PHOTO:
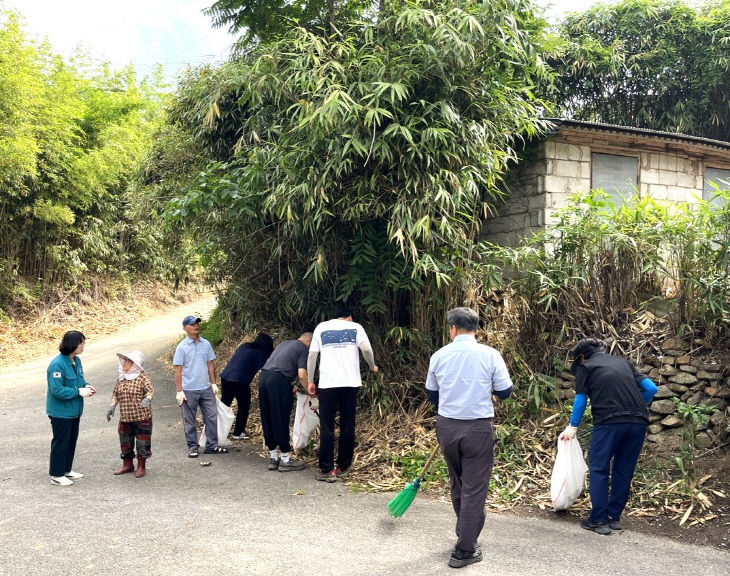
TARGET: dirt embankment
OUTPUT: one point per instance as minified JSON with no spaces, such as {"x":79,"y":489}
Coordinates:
{"x":94,"y":311}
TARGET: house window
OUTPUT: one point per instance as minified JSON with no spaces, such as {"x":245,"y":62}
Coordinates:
{"x":617,"y":176}
{"x":719,"y":177}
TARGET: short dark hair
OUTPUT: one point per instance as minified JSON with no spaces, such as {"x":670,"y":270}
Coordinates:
{"x":342,"y":311}
{"x":70,"y":342}
{"x":588,"y":347}
{"x":464,"y":318}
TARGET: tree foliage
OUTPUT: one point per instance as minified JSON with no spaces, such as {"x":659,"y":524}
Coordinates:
{"x":266,"y":20}
{"x":652,"y":64}
{"x":364,"y":162}
{"x":72,"y":142}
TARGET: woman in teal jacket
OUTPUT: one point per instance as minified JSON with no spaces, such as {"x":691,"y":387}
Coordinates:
{"x":65,"y":404}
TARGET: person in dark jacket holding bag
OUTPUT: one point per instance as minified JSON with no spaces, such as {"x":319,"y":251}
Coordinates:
{"x":65,"y":404}
{"x":619,"y":394}
{"x":236,"y":378}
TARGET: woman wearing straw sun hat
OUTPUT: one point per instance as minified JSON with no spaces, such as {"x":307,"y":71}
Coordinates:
{"x":133,"y":393}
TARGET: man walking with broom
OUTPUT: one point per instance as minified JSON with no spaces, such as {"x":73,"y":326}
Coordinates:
{"x":462,"y":377}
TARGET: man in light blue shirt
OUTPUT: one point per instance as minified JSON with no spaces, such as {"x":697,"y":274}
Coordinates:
{"x":462,"y":377}
{"x":195,"y":385}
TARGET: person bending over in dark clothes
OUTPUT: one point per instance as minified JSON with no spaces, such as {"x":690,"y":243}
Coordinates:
{"x":236,"y":378}
{"x":619,"y":394}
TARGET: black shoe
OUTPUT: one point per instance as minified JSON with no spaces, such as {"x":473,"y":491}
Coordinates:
{"x":216,"y":450}
{"x":193,"y":453}
{"x":326,"y":476}
{"x":273,"y":463}
{"x":292,"y":465}
{"x":601,"y":529}
{"x":459,"y":558}
{"x":615,"y":524}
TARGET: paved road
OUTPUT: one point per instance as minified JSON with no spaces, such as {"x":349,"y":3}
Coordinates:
{"x":235,"y":517}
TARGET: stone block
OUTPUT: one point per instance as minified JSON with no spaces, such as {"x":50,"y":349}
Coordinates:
{"x":717,"y":392}
{"x":674,"y":344}
{"x":718,"y":419}
{"x":687,"y":181}
{"x":664,"y":392}
{"x":567,"y":376}
{"x":711,"y":376}
{"x":649,"y":176}
{"x":714,"y":403}
{"x":585,"y":171}
{"x":667,"y":370}
{"x":703,"y":440}
{"x":710,"y":366}
{"x":677,"y":388}
{"x":556,"y":184}
{"x":655,"y":428}
{"x":662,"y":407}
{"x":668,"y":360}
{"x":683,"y":378}
{"x":671,"y":421}
{"x":653,"y":161}
{"x":562,"y":151}
{"x":654,"y":417}
{"x":658,"y":191}
{"x":667,"y":178}
{"x":684,"y":359}
{"x":688,"y":368}
{"x":668,"y":162}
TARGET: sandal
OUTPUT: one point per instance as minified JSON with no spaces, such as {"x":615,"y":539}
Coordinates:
{"x":216,"y":450}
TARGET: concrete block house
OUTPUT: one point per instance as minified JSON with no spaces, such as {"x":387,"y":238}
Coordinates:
{"x":578,"y":156}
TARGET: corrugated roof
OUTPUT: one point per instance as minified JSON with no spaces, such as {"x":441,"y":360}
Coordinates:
{"x":658,"y":134}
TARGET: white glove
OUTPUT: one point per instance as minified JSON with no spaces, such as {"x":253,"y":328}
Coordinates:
{"x":215,"y":388}
{"x":568,"y":433}
{"x":180,"y":397}
{"x":86,"y":392}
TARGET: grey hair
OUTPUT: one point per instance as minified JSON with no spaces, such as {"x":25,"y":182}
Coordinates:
{"x":463,"y":318}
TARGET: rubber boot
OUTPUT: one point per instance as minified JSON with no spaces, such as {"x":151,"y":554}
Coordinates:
{"x":127,"y":466}
{"x":140,"y":467}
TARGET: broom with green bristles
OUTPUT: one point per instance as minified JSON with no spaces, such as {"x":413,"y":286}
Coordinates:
{"x":398,"y":505}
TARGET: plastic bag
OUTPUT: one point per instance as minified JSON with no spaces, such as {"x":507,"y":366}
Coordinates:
{"x":306,"y":420}
{"x":566,"y":482}
{"x":225,"y":421}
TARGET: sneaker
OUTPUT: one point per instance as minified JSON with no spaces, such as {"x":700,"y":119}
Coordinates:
{"x":273,"y":463}
{"x":193,"y":453}
{"x":459,"y":558}
{"x":342,"y":474}
{"x":292,"y":465}
{"x":326,"y":476}
{"x":61,"y":481}
{"x":241,"y":436}
{"x":216,"y":450}
{"x":615,"y":524}
{"x":74,"y":475}
{"x":601,"y":529}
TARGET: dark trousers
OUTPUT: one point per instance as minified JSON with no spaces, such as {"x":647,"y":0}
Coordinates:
{"x":468,"y":448}
{"x":206,"y":400}
{"x":332,"y":400}
{"x":276,"y":400}
{"x":620,"y":443}
{"x":141,"y":432}
{"x":63,"y":445}
{"x":242,"y":393}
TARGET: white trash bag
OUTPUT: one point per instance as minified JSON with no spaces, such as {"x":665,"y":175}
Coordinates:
{"x":225,"y":421}
{"x":566,"y":482}
{"x":306,"y":420}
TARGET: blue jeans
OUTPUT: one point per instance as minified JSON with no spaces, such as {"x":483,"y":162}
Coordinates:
{"x":620,"y":443}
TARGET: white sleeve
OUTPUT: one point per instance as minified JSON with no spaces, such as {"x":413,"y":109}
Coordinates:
{"x":316,"y":340}
{"x":431,"y":382}
{"x":361,"y":336}
{"x":500,"y":375}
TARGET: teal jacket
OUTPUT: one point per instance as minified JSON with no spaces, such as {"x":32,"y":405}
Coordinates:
{"x":64,"y":381}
